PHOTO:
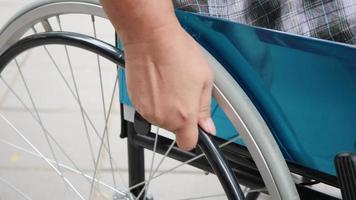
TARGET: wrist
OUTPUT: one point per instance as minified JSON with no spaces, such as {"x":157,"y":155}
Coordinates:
{"x":154,"y":48}
{"x":137,"y":20}
{"x":150,"y":34}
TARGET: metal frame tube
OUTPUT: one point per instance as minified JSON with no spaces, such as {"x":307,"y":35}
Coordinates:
{"x":136,"y":162}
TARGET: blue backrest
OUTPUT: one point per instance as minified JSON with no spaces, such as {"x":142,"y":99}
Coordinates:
{"x":304,"y":88}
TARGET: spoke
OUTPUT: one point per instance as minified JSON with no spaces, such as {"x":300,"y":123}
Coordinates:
{"x":144,"y":190}
{"x":108,"y":149}
{"x":69,"y":62}
{"x":76,"y":98}
{"x":245,"y":190}
{"x":153,"y":156}
{"x":103,"y":103}
{"x":85,"y":113}
{"x":49,"y":134}
{"x":102,"y":140}
{"x":15,"y":78}
{"x":141,"y":192}
{"x":46,"y":25}
{"x":205,"y":197}
{"x":34,"y":117}
{"x":89,"y":178}
{"x":38,"y":116}
{"x":164,"y":157}
{"x":72,"y":93}
{"x":234,"y":139}
{"x":15,"y":188}
{"x":42,"y":156}
{"x":196,"y":158}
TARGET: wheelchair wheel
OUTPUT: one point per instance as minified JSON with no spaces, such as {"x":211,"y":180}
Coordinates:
{"x":48,"y":16}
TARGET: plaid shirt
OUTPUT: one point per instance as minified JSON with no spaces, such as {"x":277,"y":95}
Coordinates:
{"x":325,"y":19}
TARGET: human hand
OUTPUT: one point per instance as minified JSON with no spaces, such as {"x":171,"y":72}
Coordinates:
{"x":170,"y":82}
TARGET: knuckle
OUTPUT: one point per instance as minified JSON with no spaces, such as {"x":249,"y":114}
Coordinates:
{"x":205,"y":108}
{"x":158,"y":117}
{"x":185,"y":115}
{"x":144,"y":111}
{"x":154,"y":116}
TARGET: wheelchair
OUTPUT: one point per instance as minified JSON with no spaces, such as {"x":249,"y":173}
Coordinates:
{"x":283,"y":105}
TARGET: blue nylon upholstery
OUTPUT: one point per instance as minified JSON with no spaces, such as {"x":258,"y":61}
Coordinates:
{"x":304,"y":88}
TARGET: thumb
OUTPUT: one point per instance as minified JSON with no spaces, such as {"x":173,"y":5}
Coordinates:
{"x":205,"y":120}
{"x":187,"y":136}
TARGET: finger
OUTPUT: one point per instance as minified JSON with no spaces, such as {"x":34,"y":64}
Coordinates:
{"x":187,"y":136}
{"x":205,"y":120}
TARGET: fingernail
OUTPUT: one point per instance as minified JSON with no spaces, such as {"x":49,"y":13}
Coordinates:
{"x":209,"y":126}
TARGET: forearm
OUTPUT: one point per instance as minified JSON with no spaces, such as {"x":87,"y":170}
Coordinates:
{"x":168,"y":78}
{"x":140,"y":20}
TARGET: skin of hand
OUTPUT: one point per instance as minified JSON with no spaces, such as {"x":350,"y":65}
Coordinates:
{"x":169,"y":80}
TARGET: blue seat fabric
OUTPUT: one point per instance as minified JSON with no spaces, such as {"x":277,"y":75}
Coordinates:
{"x":304,"y":88}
